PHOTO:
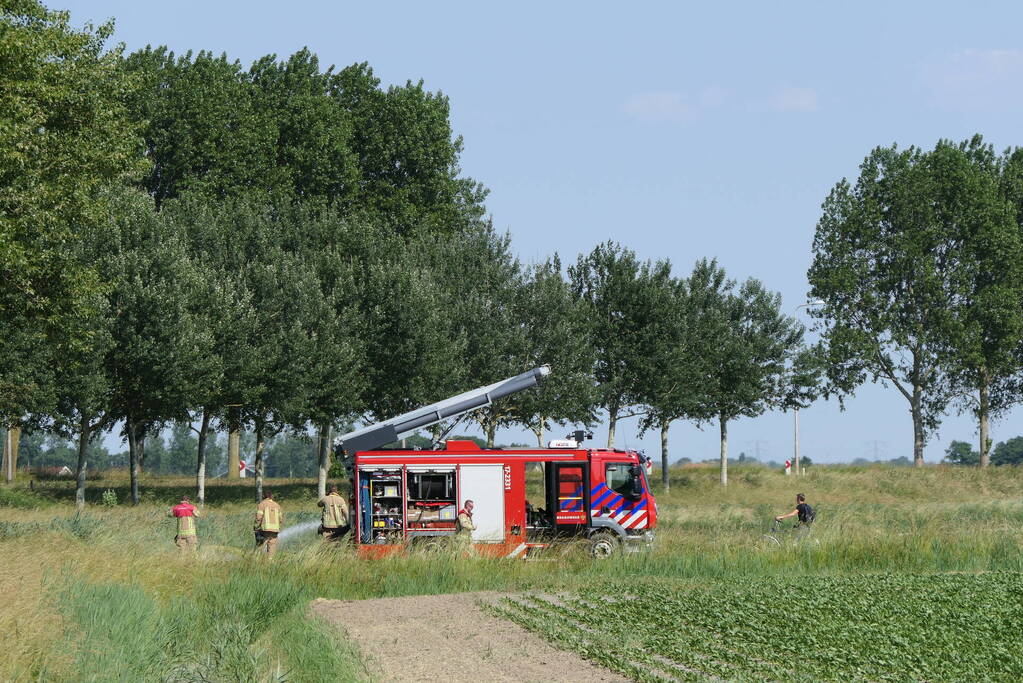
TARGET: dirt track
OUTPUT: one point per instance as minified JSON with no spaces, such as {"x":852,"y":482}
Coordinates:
{"x":448,"y":637}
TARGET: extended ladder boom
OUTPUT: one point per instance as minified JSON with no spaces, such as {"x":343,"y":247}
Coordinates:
{"x":388,"y":431}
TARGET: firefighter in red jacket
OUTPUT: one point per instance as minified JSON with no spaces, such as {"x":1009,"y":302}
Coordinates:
{"x":185,"y":513}
{"x":268,"y":524}
{"x":463,"y":530}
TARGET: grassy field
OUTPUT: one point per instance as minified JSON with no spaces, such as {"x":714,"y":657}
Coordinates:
{"x":105,"y":595}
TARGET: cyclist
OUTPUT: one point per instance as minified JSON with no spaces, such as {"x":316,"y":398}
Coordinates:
{"x":803,"y":511}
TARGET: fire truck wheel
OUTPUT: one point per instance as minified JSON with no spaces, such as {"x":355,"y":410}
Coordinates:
{"x":604,"y":544}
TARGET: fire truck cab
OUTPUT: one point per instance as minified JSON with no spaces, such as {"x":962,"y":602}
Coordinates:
{"x":524,"y":499}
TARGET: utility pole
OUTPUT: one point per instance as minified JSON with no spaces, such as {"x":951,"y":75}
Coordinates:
{"x":795,"y":411}
{"x":795,"y":439}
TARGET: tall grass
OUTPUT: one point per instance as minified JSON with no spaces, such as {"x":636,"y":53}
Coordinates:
{"x":105,"y":596}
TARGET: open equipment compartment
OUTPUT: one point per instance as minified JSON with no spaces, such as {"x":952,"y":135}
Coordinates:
{"x":381,"y":493}
{"x":432,"y":503}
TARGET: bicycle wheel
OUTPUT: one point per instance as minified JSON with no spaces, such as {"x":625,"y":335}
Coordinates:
{"x":769,"y":542}
{"x":807,"y":540}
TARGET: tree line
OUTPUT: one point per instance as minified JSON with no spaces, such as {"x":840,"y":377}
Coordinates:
{"x":918,"y":266}
{"x":1008,"y":452}
{"x":285,"y":247}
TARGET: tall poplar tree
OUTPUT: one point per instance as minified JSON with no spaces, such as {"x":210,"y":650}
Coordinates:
{"x":983,"y":325}
{"x":675,"y":351}
{"x":749,"y":357}
{"x":556,"y":333}
{"x":65,"y":138}
{"x":160,"y":344}
{"x":607,"y":283}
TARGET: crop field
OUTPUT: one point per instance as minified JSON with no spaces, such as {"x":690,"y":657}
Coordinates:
{"x":878,"y":627}
{"x":913,"y":574}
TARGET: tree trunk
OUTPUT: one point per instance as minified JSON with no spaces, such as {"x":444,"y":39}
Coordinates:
{"x":200,"y":461}
{"x":612,"y":422}
{"x":234,"y":429}
{"x":664,"y":456}
{"x":258,"y":465}
{"x":142,"y":450}
{"x":491,"y":432}
{"x":84,"y":433}
{"x":724,"y":450}
{"x":916,"y":408}
{"x":984,"y":413}
{"x":323,"y":459}
{"x":133,"y":459}
{"x":13,"y":437}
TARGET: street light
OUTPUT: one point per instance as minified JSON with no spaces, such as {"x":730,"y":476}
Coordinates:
{"x":795,"y":410}
{"x":815,"y":302}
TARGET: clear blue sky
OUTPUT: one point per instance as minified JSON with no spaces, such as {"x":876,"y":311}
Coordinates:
{"x":682,"y":130}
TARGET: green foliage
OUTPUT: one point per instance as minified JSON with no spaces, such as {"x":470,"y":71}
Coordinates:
{"x":748,"y":350}
{"x":984,"y":324}
{"x":161,"y":354}
{"x":608,"y":282}
{"x":556,"y":333}
{"x":481,"y":280}
{"x":408,"y":155}
{"x":682,"y":321}
{"x":109,"y":498}
{"x":1009,"y":452}
{"x":290,"y":456}
{"x":752,"y":352}
{"x":204,"y":127}
{"x":18,"y":498}
{"x":64,"y":138}
{"x":918,"y":265}
{"x":291,"y":130}
{"x":961,"y":453}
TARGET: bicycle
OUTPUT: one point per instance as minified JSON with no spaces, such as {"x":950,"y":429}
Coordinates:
{"x":800,"y":535}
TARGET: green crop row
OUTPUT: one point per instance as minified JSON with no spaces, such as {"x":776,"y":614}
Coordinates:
{"x":938,"y":627}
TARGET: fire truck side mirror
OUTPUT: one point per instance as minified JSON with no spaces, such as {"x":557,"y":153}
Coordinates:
{"x":636,"y":477}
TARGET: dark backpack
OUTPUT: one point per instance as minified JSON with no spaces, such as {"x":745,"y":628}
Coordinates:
{"x":811,"y":515}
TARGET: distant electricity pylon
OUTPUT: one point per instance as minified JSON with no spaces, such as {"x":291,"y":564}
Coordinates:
{"x":878,"y":449}
{"x":760,"y":448}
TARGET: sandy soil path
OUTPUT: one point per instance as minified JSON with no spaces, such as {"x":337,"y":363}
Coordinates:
{"x":448,"y":637}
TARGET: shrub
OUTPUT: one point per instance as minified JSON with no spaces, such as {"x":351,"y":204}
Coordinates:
{"x":18,"y":498}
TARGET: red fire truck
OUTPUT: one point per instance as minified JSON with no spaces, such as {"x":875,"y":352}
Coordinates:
{"x":408,"y":498}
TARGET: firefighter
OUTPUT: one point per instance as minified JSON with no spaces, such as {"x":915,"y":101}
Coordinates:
{"x":334,"y":520}
{"x":268,"y":524}
{"x":185,"y":513}
{"x":463,"y":530}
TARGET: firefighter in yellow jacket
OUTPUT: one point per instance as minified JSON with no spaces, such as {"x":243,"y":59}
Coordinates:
{"x":463,"y":530}
{"x":268,"y":524}
{"x":185,"y":514}
{"x":334,"y":520}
